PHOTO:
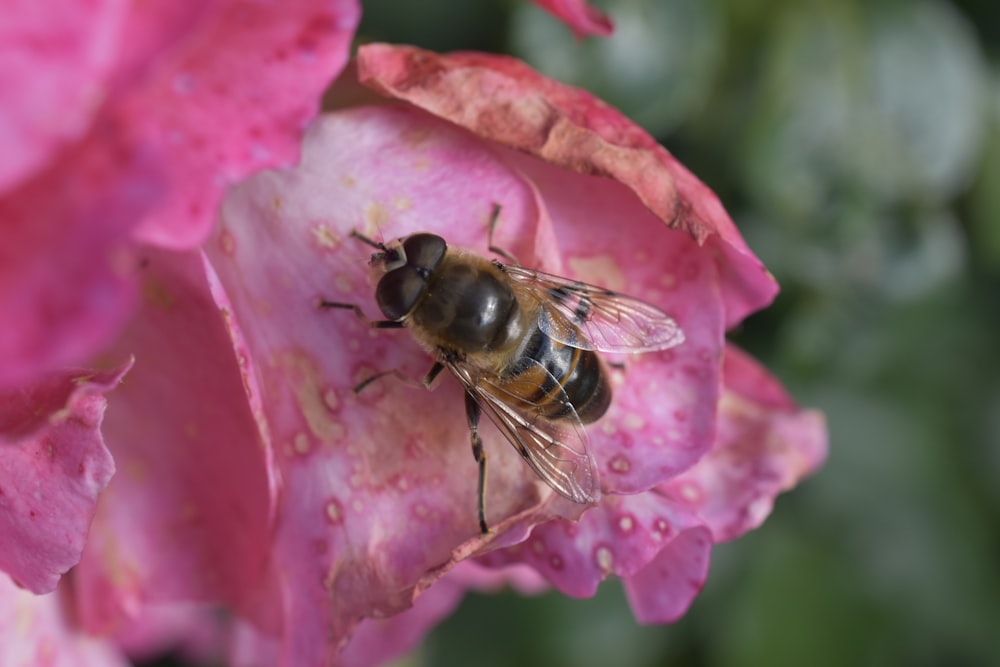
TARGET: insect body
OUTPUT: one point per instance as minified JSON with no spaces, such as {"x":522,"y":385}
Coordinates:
{"x":523,"y":344}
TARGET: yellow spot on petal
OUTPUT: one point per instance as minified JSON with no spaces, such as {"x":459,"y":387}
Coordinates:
{"x":342,"y":284}
{"x":634,"y":422}
{"x":24,"y":616}
{"x":690,"y":493}
{"x":601,"y":269}
{"x":227,"y":243}
{"x":348,"y":181}
{"x":402,"y":203}
{"x":605,"y":559}
{"x":135,"y":470}
{"x":301,"y":443}
{"x":305,"y":380}
{"x":416,"y":137}
{"x":157,"y":294}
{"x":324,"y":236}
{"x":330,"y":399}
{"x":375,"y":218}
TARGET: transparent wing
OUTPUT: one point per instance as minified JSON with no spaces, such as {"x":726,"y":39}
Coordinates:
{"x":558,"y":451}
{"x":593,"y":318}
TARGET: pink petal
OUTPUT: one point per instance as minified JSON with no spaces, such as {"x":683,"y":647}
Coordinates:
{"x":232,"y":99}
{"x":622,"y":536}
{"x":152,"y":114}
{"x":188,"y":515}
{"x":53,"y":66}
{"x":65,"y":258}
{"x":766,"y":445}
{"x":199,"y":633}
{"x":376,"y":641}
{"x":53,"y":465}
{"x":662,"y":591}
{"x":583,"y":18}
{"x":35,"y":632}
{"x":502,"y":99}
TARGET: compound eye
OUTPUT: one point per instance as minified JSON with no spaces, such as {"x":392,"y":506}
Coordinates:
{"x":399,"y":291}
{"x":424,"y":251}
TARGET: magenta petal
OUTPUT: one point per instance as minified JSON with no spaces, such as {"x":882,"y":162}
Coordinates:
{"x":53,"y":66}
{"x":766,"y":445}
{"x":621,"y":537}
{"x":65,"y":260}
{"x":140,"y":115}
{"x":503,"y":100}
{"x":199,"y":633}
{"x":188,"y":515}
{"x":582,"y":17}
{"x":53,"y":465}
{"x":35,"y":632}
{"x":233,"y":98}
{"x":662,"y":591}
{"x":377,"y":641}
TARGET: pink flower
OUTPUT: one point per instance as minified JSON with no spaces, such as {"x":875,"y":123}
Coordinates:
{"x":582,"y":17}
{"x":336,"y":526}
{"x":377,"y":490}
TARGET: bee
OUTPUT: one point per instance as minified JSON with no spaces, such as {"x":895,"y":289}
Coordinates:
{"x":522,"y":343}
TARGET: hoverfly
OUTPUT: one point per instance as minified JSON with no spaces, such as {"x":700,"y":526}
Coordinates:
{"x":523,"y":344}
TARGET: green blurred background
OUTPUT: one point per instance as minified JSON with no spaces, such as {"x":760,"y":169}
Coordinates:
{"x":856,"y":144}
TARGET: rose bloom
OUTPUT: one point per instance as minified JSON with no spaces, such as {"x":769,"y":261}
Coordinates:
{"x":336,"y":527}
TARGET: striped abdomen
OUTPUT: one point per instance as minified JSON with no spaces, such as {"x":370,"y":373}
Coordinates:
{"x":577,"y":372}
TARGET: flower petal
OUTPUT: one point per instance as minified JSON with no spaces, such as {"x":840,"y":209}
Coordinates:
{"x":766,"y":445}
{"x":65,"y":259}
{"x":377,"y":641}
{"x":35,"y":632}
{"x":53,"y":66}
{"x":502,"y":99}
{"x":231,"y":99}
{"x":53,"y":465}
{"x":178,"y":100}
{"x":582,"y":17}
{"x":622,"y":536}
{"x":662,"y":591}
{"x":188,"y":516}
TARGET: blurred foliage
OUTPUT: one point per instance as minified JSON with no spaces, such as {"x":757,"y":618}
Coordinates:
{"x":857,"y":145}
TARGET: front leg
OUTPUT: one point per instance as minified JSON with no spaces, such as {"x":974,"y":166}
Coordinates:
{"x":472,"y":412}
{"x":374,"y":324}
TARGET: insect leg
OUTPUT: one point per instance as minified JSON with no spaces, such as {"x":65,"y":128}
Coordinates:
{"x":432,"y":374}
{"x":378,"y":376}
{"x":472,"y":412}
{"x":364,"y":239}
{"x":497,"y":250}
{"x":375,"y":324}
